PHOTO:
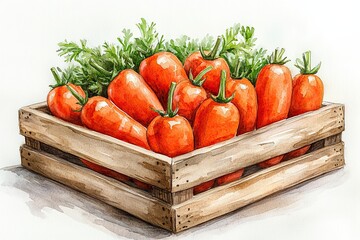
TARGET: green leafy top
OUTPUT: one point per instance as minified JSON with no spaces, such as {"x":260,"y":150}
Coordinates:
{"x":249,"y":65}
{"x":231,"y":38}
{"x":183,"y":46}
{"x":277,"y":57}
{"x":238,"y":38}
{"x":149,"y":42}
{"x":93,"y":68}
{"x":244,"y":60}
{"x":305,"y":64}
{"x":60,"y":81}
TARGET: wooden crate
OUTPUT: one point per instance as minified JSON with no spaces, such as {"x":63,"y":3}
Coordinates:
{"x":53,"y":148}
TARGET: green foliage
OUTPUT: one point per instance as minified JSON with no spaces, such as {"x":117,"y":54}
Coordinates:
{"x":183,"y":46}
{"x":249,"y":65}
{"x":149,"y":42}
{"x":304,"y":65}
{"x":230,"y":37}
{"x":93,"y":68}
{"x":277,"y":57}
{"x":244,"y":60}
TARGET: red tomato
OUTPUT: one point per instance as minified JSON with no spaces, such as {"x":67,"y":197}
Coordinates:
{"x":246,"y":102}
{"x":203,"y":187}
{"x":159,"y":71}
{"x":216,"y":120}
{"x":62,"y":103}
{"x":189,"y":95}
{"x":169,"y":133}
{"x":198,"y":61}
{"x":273,"y":89}
{"x":307,"y":94}
{"x":130,"y":93}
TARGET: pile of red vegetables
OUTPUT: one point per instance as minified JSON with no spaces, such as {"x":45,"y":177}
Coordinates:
{"x":175,"y":96}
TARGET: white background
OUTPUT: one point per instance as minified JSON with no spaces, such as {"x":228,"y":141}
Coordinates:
{"x":31,"y":29}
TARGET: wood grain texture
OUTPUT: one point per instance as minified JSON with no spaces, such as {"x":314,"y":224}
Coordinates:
{"x":171,"y":204}
{"x":164,"y":195}
{"x":248,"y":149}
{"x":35,"y":144}
{"x":172,"y":198}
{"x":125,"y":158}
{"x":32,"y":143}
{"x":134,"y":201}
{"x":224,"y":199}
{"x":325,"y":142}
{"x":332,"y":140}
{"x":186,"y":171}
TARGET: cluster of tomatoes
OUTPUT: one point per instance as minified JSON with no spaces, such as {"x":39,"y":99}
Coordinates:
{"x":172,"y":109}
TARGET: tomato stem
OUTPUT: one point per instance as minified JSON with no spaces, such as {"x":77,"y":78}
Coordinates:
{"x":99,"y":68}
{"x":198,"y":81}
{"x":81,"y":100}
{"x":242,"y":69}
{"x":277,"y":57}
{"x":58,"y":79}
{"x":215,"y":52}
{"x":305,"y":64}
{"x":169,"y":111}
{"x":221,"y":97}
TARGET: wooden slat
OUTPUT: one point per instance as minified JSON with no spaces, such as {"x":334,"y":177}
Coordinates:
{"x":224,"y":199}
{"x":164,"y":195}
{"x":173,"y":178}
{"x":128,"y":159}
{"x":248,"y":149}
{"x":134,"y":201}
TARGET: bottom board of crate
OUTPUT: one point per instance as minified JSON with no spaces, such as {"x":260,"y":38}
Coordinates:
{"x":200,"y":208}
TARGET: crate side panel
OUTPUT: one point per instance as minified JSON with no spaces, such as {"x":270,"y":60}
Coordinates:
{"x":122,"y":196}
{"x":248,"y":149}
{"x":103,"y":150}
{"x":222,"y":200}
